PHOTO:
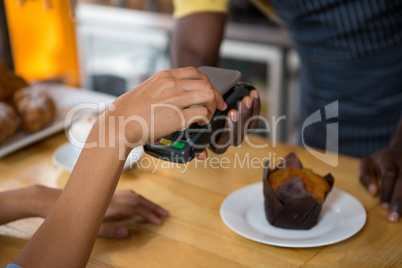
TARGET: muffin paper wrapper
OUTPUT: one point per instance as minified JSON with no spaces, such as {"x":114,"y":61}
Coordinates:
{"x":292,"y":206}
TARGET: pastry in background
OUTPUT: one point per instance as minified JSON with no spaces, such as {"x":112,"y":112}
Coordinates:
{"x":36,"y":108}
{"x":16,"y":83}
{"x":9,"y":84}
{"x":5,"y":92}
{"x":293,"y":195}
{"x":9,"y":121}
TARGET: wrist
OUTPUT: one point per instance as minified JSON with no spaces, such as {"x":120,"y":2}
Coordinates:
{"x":42,"y":200}
{"x":396,"y":141}
{"x":397,"y":145}
{"x":31,"y":201}
{"x":124,"y":132}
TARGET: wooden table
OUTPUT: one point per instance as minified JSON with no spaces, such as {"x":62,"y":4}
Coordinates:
{"x":194,"y":234}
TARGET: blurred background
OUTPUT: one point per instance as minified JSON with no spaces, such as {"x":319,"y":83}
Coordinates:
{"x":111,"y":46}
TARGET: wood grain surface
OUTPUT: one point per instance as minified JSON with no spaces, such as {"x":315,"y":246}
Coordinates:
{"x":194,"y":234}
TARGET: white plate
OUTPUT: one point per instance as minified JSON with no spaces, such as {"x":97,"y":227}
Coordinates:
{"x":65,"y":98}
{"x":341,"y":217}
{"x":67,"y":155}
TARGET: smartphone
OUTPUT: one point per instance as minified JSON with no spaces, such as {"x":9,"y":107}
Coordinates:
{"x":183,"y":146}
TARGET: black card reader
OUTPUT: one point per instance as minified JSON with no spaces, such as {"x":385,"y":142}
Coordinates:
{"x":183,"y":146}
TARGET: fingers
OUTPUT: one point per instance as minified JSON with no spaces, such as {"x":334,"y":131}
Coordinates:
{"x":147,"y":210}
{"x":112,"y":231}
{"x":388,"y":177}
{"x":126,"y":204}
{"x":204,"y":97}
{"x":395,"y":210}
{"x":150,"y":211}
{"x":245,"y":113}
{"x":220,"y":102}
{"x":199,"y":92}
{"x":209,"y":100}
{"x":256,"y":109}
{"x":154,"y":207}
{"x":198,"y":114}
{"x":385,"y":169}
{"x":191,"y":73}
{"x":191,"y":84}
{"x":368,"y":175}
{"x":203,"y":155}
{"x":235,"y":131}
{"x":149,"y":215}
{"x":184,"y":88}
{"x":225,"y":139}
{"x":214,"y":97}
{"x":385,"y":165}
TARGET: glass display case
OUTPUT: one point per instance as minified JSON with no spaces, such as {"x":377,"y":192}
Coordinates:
{"x":117,"y":52}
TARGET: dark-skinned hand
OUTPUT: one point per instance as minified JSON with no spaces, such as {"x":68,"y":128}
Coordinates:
{"x":385,"y":166}
{"x":237,"y":124}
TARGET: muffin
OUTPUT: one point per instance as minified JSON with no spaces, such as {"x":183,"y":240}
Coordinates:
{"x":294,"y":195}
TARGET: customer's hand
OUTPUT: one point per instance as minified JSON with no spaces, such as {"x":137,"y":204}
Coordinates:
{"x":126,"y":204}
{"x":165,"y":103}
{"x":39,"y":200}
{"x":385,"y":165}
{"x":159,"y":106}
{"x":237,"y":126}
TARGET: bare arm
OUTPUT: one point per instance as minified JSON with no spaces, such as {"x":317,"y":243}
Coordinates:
{"x":196,"y":39}
{"x":67,"y":236}
{"x":31,"y":201}
{"x":195,"y":42}
{"x":38,"y":201}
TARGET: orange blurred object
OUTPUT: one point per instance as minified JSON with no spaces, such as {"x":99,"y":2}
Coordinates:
{"x":42,"y":35}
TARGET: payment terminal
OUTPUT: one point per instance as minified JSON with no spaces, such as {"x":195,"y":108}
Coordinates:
{"x":183,"y":146}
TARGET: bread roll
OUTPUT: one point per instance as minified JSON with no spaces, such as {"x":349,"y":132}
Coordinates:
{"x":36,"y":108}
{"x":16,"y":83}
{"x":4,"y":92}
{"x":9,"y":121}
{"x":9,"y":84}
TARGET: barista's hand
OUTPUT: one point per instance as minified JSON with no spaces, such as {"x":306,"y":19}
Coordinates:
{"x":385,"y":165}
{"x":236,"y":125}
